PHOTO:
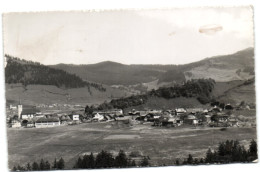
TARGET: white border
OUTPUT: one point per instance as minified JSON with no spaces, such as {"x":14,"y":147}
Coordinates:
{"x":68,"y":5}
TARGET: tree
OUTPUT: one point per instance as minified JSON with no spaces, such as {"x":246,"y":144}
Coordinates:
{"x":42,"y":165}
{"x":54,"y":164}
{"x":91,"y":160}
{"x":196,"y":161}
{"x":177,"y":162}
{"x":28,"y":167}
{"x":88,"y":110}
{"x":133,"y":164}
{"x":35,"y":166}
{"x":14,"y":168}
{"x":221,"y":149}
{"x":84,"y":163}
{"x":20,"y":168}
{"x":144,"y":162}
{"x":47,"y":165}
{"x":104,"y":160}
{"x":253,"y":148}
{"x":209,"y":156}
{"x":190,"y":159}
{"x":61,"y":164}
{"x":121,"y":159}
{"x":78,"y":163}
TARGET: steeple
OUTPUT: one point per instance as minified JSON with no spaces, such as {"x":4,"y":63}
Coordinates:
{"x":20,"y":109}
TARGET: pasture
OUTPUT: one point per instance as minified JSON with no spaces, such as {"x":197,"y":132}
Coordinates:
{"x":162,"y":145}
{"x":48,"y":94}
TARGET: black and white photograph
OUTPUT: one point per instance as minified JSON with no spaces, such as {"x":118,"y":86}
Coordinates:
{"x":130,"y":88}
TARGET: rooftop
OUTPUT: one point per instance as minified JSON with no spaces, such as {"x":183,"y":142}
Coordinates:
{"x":47,"y":120}
{"x":30,"y":111}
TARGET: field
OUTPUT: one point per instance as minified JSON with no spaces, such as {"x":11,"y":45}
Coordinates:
{"x":49,"y":94}
{"x":162,"y":103}
{"x":162,"y":145}
{"x":216,"y":73}
{"x":234,"y":92}
{"x":236,"y":95}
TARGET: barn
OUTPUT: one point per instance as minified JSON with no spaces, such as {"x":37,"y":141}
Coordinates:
{"x":29,"y":113}
{"x":191,"y":119}
{"x":47,"y":122}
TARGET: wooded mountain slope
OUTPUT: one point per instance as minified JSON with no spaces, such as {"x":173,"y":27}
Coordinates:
{"x":237,"y":66}
{"x":28,"y":72}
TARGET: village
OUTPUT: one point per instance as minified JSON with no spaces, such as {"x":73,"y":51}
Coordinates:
{"x":42,"y":116}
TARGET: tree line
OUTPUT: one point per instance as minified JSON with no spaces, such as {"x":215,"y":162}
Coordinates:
{"x":105,"y":159}
{"x":43,"y":165}
{"x":200,"y":88}
{"x":229,"y":151}
{"x":123,"y":103}
{"x":28,"y":72}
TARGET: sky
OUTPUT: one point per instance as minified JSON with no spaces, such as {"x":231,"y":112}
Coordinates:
{"x":168,"y":36}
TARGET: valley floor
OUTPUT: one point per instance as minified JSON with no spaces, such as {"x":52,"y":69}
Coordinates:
{"x":162,"y":145}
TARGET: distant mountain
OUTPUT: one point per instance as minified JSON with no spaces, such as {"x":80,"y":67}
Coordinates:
{"x":112,"y":73}
{"x":237,"y":66}
{"x":33,"y":73}
{"x":77,"y":84}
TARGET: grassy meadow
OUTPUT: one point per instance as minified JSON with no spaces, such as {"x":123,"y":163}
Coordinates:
{"x":162,"y":145}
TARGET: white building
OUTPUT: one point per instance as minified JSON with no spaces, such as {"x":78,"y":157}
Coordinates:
{"x":180,"y":111}
{"x":98,"y":117}
{"x":11,"y":107}
{"x":75,"y":117}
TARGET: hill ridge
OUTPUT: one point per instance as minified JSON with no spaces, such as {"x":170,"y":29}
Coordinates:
{"x":134,"y":64}
{"x":34,"y":73}
{"x":239,"y":65}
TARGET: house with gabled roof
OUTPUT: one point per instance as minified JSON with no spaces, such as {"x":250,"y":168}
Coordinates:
{"x":29,"y":113}
{"x":191,"y":119}
{"x":98,"y":117}
{"x":179,"y":111}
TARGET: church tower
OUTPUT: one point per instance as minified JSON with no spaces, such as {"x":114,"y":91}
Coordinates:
{"x":20,"y":109}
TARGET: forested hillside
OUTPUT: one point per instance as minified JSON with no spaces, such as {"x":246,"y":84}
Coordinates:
{"x":33,"y":73}
{"x":200,"y":89}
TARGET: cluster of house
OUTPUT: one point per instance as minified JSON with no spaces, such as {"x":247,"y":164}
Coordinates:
{"x":33,"y":117}
{"x":213,"y":117}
